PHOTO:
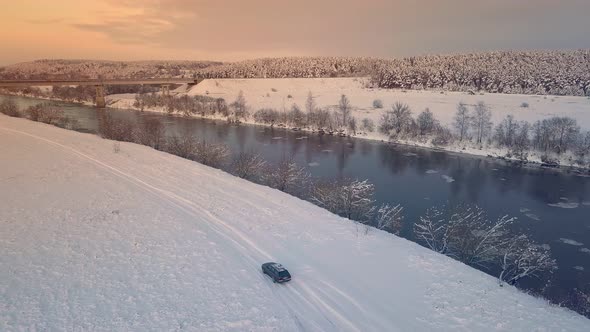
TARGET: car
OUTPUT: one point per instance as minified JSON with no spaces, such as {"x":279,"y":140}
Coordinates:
{"x":276,"y":271}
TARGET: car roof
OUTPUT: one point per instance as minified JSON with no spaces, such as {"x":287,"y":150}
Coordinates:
{"x":278,"y":267}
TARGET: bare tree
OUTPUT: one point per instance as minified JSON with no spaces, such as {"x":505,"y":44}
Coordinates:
{"x":184,"y":146}
{"x":287,"y":175}
{"x":474,"y":239}
{"x":396,"y":121}
{"x":350,"y":199}
{"x":389,"y":218}
{"x":432,"y":229}
{"x":345,"y":109}
{"x":296,"y":116}
{"x":506,"y":131}
{"x":368,"y":125}
{"x":151,"y":133}
{"x":116,"y":129}
{"x":221,"y":107}
{"x":322,"y":118}
{"x":426,"y":122}
{"x":248,"y":165}
{"x":352,"y":125}
{"x":521,"y":141}
{"x":566,"y":130}
{"x":267,"y":116}
{"x":464,"y":233}
{"x":211,"y":154}
{"x":582,"y":147}
{"x":310,"y":103}
{"x":522,"y":258}
{"x":462,"y":121}
{"x":240,"y":107}
{"x":481,"y":121}
{"x":9,"y":107}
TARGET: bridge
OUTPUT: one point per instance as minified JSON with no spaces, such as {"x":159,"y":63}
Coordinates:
{"x":100,"y":84}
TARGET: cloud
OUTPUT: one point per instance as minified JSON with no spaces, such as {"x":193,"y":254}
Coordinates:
{"x":344,"y":27}
{"x":130,"y":29}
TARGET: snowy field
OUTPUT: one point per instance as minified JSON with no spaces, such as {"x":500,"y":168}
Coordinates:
{"x":95,"y":239}
{"x":327,"y":91}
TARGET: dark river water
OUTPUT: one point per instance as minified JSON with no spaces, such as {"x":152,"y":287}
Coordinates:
{"x":552,"y":207}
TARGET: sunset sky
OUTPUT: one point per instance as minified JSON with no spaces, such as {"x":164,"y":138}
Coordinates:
{"x":240,"y":29}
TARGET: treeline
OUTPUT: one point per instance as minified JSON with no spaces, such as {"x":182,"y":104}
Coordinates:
{"x":96,"y":69}
{"x":45,"y":113}
{"x":527,"y":72}
{"x":551,"y":137}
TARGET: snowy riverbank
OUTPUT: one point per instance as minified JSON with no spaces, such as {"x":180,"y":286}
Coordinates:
{"x":281,"y":94}
{"x":96,"y":239}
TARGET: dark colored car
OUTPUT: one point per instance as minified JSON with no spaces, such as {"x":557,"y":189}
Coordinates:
{"x":276,"y":271}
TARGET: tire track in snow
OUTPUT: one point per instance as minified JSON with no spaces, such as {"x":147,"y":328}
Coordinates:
{"x":304,"y":294}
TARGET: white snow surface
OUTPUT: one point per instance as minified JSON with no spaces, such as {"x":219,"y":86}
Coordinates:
{"x":327,"y":91}
{"x":141,"y":240}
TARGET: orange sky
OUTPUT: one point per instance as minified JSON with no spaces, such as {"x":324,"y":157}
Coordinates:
{"x":237,"y":29}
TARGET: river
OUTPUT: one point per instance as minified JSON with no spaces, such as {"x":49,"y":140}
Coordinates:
{"x":553,"y":207}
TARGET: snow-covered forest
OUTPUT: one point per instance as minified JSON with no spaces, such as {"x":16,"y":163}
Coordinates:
{"x":526,"y":72}
{"x":94,"y":69}
{"x":523,"y":72}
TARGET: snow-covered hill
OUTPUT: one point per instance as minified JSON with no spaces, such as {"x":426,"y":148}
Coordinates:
{"x":96,"y":238}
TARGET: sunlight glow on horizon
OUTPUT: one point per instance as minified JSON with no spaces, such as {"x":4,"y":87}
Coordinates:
{"x":234,"y":30}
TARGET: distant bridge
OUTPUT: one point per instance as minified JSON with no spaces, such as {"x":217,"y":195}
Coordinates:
{"x":100,"y":84}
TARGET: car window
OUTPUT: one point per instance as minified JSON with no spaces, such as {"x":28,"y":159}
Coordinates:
{"x":284,"y":274}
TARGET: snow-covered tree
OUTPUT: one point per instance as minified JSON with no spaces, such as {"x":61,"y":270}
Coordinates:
{"x":481,"y":121}
{"x":296,"y":116}
{"x":521,"y":141}
{"x":310,"y":105}
{"x":566,"y":130}
{"x":151,"y":133}
{"x":212,"y":154}
{"x":462,"y":121}
{"x":426,"y":122}
{"x":240,"y":107}
{"x":464,"y":233}
{"x":582,"y":147}
{"x":352,"y":126}
{"x":474,"y":239}
{"x":248,"y":165}
{"x":397,"y":121}
{"x":506,"y":131}
{"x":389,"y":218}
{"x":368,"y":125}
{"x":286,"y":175}
{"x":9,"y":107}
{"x":184,"y":146}
{"x":432,"y":230}
{"x":352,"y":199}
{"x":521,"y":257}
{"x":345,"y":109}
